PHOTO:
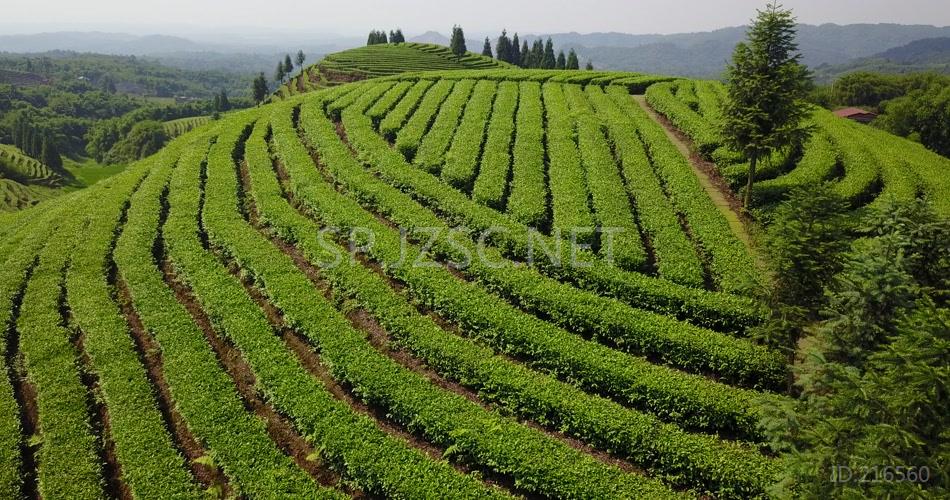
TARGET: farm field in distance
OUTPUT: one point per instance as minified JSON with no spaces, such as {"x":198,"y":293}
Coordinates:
{"x":414,"y":270}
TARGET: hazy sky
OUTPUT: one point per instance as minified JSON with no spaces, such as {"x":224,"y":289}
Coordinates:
{"x":414,"y":16}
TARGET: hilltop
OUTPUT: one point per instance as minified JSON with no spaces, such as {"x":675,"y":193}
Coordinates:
{"x":383,"y":60}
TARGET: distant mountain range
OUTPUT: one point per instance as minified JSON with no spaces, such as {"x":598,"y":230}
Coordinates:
{"x":701,"y":55}
{"x":929,"y":54}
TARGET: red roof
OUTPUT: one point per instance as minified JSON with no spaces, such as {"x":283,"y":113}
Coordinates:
{"x":849,"y":112}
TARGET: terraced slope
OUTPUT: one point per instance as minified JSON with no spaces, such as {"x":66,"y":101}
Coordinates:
{"x":279,"y":303}
{"x":864,"y":163}
{"x":382,"y":60}
{"x":174,"y":128}
{"x":16,"y":165}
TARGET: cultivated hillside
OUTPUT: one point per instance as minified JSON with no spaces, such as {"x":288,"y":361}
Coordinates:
{"x":865,"y":164}
{"x":382,"y":60}
{"x":202,"y":314}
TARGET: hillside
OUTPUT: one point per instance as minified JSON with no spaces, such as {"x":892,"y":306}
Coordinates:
{"x":382,"y":60}
{"x":865,"y":164}
{"x":926,"y":55}
{"x":206,"y":301}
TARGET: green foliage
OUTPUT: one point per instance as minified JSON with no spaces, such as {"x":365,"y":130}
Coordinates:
{"x":922,"y":115}
{"x":875,"y":385}
{"x":259,"y":88}
{"x":144,"y":139}
{"x":486,"y":49}
{"x":767,"y":86}
{"x":805,"y":242}
{"x":457,"y":43}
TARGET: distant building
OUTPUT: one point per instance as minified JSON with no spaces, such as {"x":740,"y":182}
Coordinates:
{"x":857,"y":114}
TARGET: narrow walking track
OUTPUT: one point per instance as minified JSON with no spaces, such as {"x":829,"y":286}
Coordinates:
{"x":720,"y":198}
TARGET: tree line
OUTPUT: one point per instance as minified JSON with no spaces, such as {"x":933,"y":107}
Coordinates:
{"x":36,"y":142}
{"x":858,"y":300}
{"x":260,"y":88}
{"x":540,"y":55}
{"x":379,"y":36}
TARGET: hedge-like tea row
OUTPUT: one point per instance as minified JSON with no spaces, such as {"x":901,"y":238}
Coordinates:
{"x":400,"y":112}
{"x":687,"y":398}
{"x":387,"y":101}
{"x":436,"y":141}
{"x":407,"y":141}
{"x":461,"y":161}
{"x":527,"y":202}
{"x":374,"y":460}
{"x":492,"y":180}
{"x":202,"y":391}
{"x":609,"y":198}
{"x":676,"y":343}
{"x":537,"y":462}
{"x":20,"y":248}
{"x":693,"y":460}
{"x":570,"y":205}
{"x":716,"y":310}
{"x":151,"y":465}
{"x":676,"y":257}
{"x":730,"y":260}
{"x":817,"y":165}
{"x":704,"y":134}
{"x":68,"y":455}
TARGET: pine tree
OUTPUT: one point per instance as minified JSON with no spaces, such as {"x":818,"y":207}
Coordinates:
{"x":548,"y":61}
{"x":457,"y":43}
{"x":382,"y":37}
{"x":589,"y":66}
{"x":49,"y":156}
{"x":503,"y":47}
{"x":537,"y":54}
{"x":279,"y":73}
{"x":260,"y":88}
{"x":486,"y":49}
{"x":301,"y":57}
{"x":767,"y":86}
{"x":371,"y":39}
{"x":398,"y":37}
{"x":288,"y":65}
{"x":514,"y":55}
{"x":525,"y":61}
{"x":572,"y":62}
{"x":392,"y":36}
{"x":225,"y":103}
{"x":561,"y":62}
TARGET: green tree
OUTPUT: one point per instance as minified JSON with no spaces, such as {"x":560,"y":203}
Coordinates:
{"x":514,"y":55}
{"x":589,"y":66}
{"x":486,"y":49}
{"x":49,"y":155}
{"x":561,"y":61}
{"x":923,"y":115}
{"x":398,"y":37}
{"x":503,"y":47}
{"x":288,"y":65}
{"x":572,"y":62}
{"x":145,"y":139}
{"x":525,"y":55}
{"x":548,"y":60}
{"x":537,"y":54}
{"x":259,"y":88}
{"x":874,"y":384}
{"x":767,"y":88}
{"x":457,"y":44}
{"x":224,"y":103}
{"x":279,"y":73}
{"x":301,"y":57}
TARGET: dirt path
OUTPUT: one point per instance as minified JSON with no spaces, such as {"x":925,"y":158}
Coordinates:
{"x":722,"y":197}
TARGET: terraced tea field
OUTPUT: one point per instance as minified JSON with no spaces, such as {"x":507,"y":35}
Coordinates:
{"x":462,"y":284}
{"x":383,"y":60}
{"x":864,"y":163}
